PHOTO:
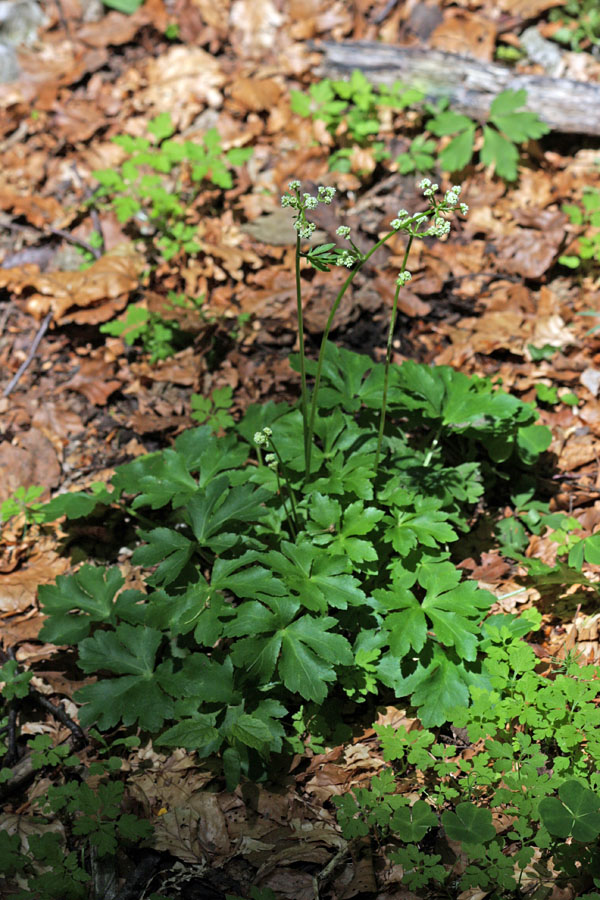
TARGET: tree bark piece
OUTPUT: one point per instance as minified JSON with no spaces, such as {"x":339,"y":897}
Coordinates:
{"x":470,"y":85}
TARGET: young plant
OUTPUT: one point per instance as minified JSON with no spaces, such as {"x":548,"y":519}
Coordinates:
{"x":159,"y":335}
{"x":351,"y":112}
{"x":587,"y":217}
{"x":214,"y":410}
{"x":155,"y":187}
{"x":302,"y":561}
{"x":23,"y":502}
{"x":531,"y":769}
{"x":507,"y":126}
{"x":579,"y":22}
{"x":80,"y":815}
{"x":420,"y":156}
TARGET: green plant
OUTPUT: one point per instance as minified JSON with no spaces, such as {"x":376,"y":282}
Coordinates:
{"x":523,"y":803}
{"x":23,"y":502}
{"x":154,"y":188}
{"x":124,"y":6}
{"x":159,"y":335}
{"x":350,"y":111}
{"x":81,"y":814}
{"x":507,"y":125}
{"x":419,"y":157}
{"x":580,"y":24}
{"x":587,"y":216}
{"x":549,"y":394}
{"x":213,"y":410}
{"x":304,"y":558}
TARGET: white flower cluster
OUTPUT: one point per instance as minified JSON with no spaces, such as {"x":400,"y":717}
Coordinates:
{"x":401,"y":221}
{"x":403,"y":278}
{"x":343,"y":231}
{"x":440,"y":226}
{"x":427,"y":187}
{"x":271,"y":460}
{"x":304,"y":228}
{"x":325,"y":194}
{"x":303,"y":203}
{"x":262,"y":437}
{"x":346,"y":259}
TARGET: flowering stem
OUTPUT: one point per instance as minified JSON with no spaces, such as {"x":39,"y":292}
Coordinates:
{"x":302,"y":356}
{"x":328,"y":324}
{"x":388,"y":354}
{"x":287,"y":484}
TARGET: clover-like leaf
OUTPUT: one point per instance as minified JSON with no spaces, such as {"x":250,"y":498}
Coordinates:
{"x":470,"y":824}
{"x":574,"y":813}
{"x":411,"y":824}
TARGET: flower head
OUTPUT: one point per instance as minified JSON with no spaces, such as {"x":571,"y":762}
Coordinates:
{"x":294,"y":185}
{"x":310,"y":202}
{"x":403,"y":278}
{"x":346,"y":259}
{"x":262,"y":437}
{"x":288,"y":200}
{"x":343,"y":231}
{"x":464,"y":208}
{"x":325,"y":194}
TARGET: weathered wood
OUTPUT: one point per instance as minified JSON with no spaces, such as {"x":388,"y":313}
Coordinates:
{"x":470,"y":85}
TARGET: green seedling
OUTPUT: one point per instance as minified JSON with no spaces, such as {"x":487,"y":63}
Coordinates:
{"x":155,"y":187}
{"x":507,"y":126}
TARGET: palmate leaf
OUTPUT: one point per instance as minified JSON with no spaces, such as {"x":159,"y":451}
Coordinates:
{"x":318,"y":578}
{"x":416,"y":521}
{"x":219,"y":504}
{"x":137,"y":696}
{"x":342,"y":376}
{"x":342,"y":527}
{"x":157,"y":479}
{"x":167,"y":547}
{"x":438,"y":683}
{"x":208,"y":455}
{"x":500,"y":152}
{"x":411,"y":824}
{"x":76,"y":602}
{"x":470,"y":824}
{"x":303,"y":651}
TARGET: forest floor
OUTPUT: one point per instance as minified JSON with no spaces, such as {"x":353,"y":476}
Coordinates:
{"x":492,"y":300}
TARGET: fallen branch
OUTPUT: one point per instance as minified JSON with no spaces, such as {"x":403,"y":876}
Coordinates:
{"x":27,"y":362}
{"x":470,"y":85}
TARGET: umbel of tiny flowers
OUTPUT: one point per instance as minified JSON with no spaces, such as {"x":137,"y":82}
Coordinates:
{"x":431,"y":222}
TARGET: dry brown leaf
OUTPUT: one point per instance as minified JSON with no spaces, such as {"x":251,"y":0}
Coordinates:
{"x":108,"y":278}
{"x":18,"y":589}
{"x":465,"y":33}
{"x":91,"y":381}
{"x":182,"y":80}
{"x":256,"y":94}
{"x":40,"y":211}
{"x":33,"y":462}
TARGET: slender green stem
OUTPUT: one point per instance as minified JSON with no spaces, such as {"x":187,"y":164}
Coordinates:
{"x":302,"y":356}
{"x":432,"y":447}
{"x":388,"y":356}
{"x":328,"y":324}
{"x":290,"y":518}
{"x":286,"y":480}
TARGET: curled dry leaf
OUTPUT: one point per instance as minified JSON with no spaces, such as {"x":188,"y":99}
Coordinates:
{"x":64,"y":293}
